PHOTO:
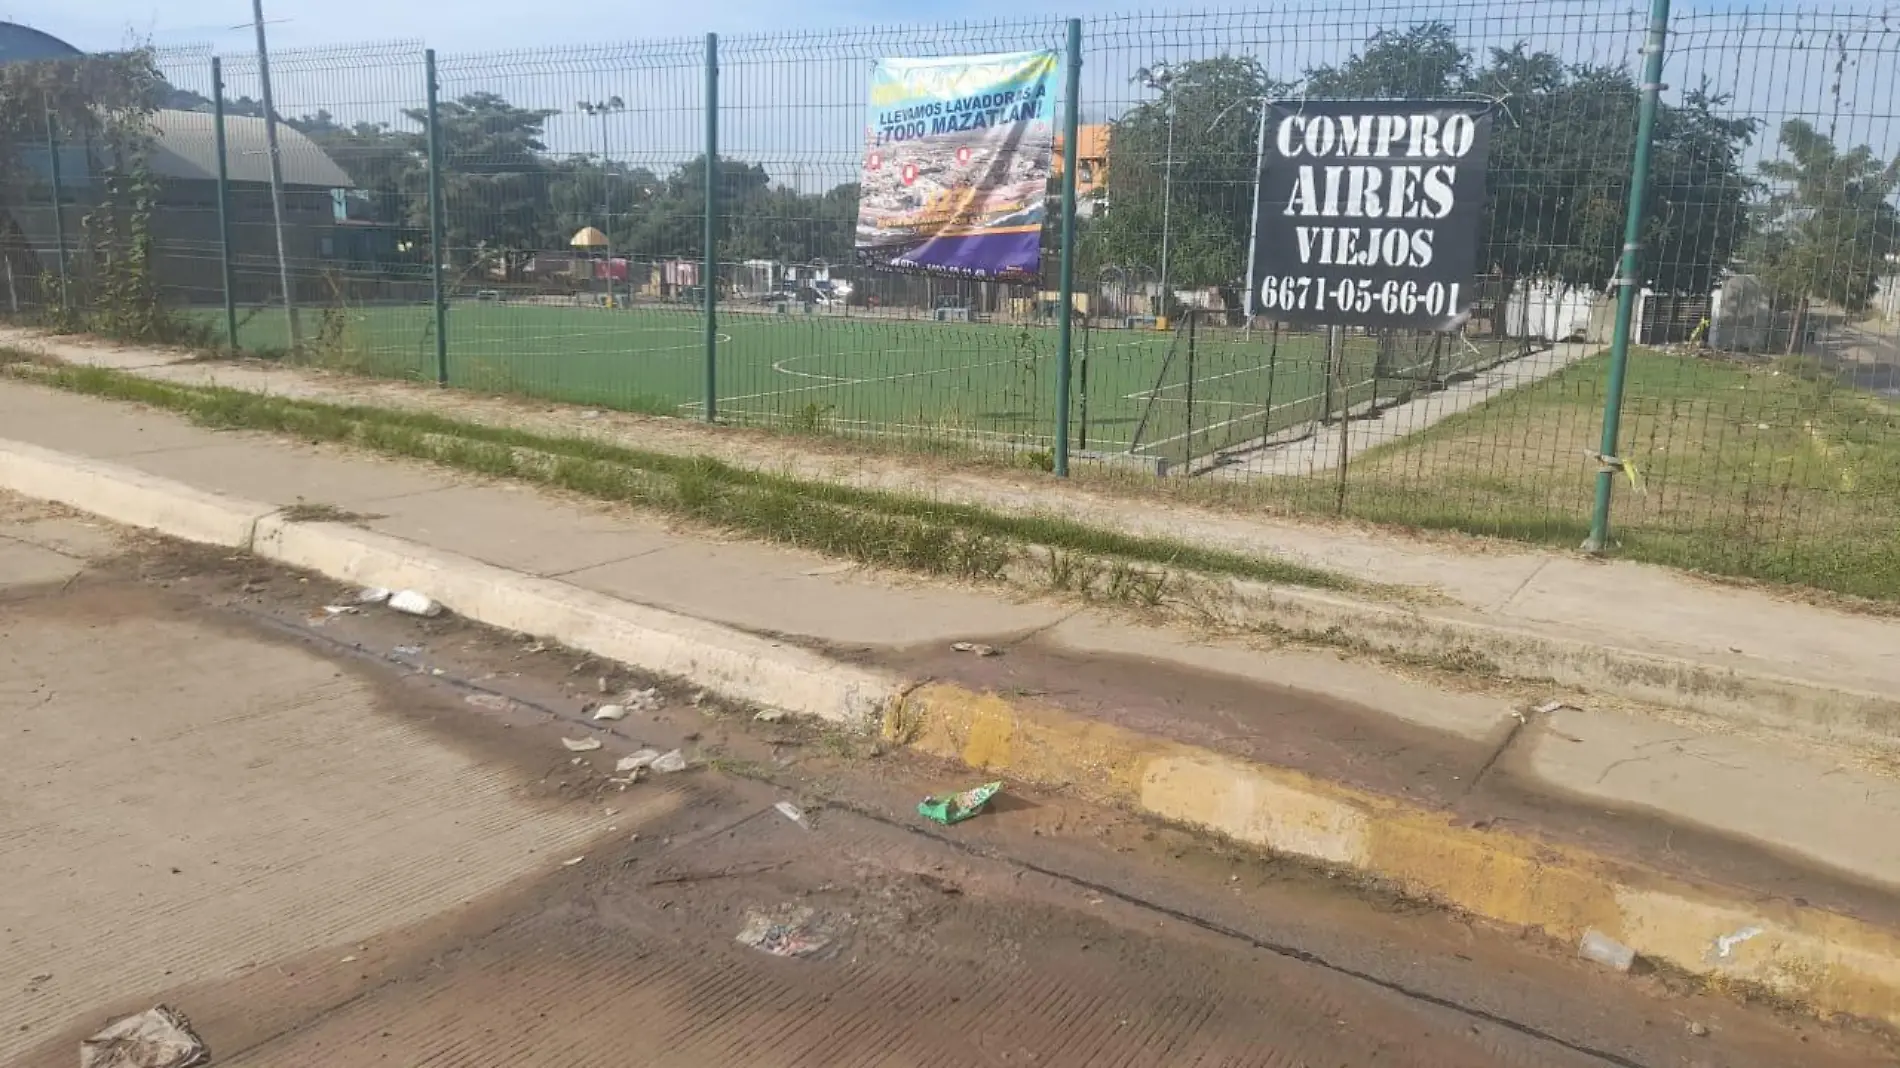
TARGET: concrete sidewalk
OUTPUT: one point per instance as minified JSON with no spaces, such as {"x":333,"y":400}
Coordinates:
{"x":1318,"y":453}
{"x":1492,"y":591}
{"x":1677,"y":838}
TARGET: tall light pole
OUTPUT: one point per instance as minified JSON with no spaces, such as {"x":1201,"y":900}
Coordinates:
{"x":1160,"y":77}
{"x":602,"y":109}
{"x":1253,"y":227}
{"x":276,"y":173}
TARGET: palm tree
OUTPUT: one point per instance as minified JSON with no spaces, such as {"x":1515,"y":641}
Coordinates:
{"x":1830,"y":229}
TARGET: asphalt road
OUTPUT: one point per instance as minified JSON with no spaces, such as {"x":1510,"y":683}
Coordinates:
{"x":356,"y":838}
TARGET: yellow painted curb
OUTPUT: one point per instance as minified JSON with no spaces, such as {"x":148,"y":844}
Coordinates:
{"x":1829,"y":962}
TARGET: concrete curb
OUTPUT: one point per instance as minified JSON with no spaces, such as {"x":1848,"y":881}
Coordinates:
{"x":130,"y":497}
{"x":732,"y":663}
{"x":729,"y":662}
{"x":1827,"y":962}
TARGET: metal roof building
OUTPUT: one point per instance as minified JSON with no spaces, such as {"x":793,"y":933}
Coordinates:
{"x":24,"y":43}
{"x":186,"y":150}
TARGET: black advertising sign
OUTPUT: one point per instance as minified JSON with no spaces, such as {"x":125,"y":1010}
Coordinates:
{"x":1369,"y":212}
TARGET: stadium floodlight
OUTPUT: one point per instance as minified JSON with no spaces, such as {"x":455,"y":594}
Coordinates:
{"x":603,"y":110}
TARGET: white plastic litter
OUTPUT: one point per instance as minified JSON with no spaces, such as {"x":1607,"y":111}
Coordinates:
{"x":791,"y":812}
{"x":670,"y":762}
{"x":581,"y":745}
{"x":1725,"y":944}
{"x":611,"y":712}
{"x":642,"y":759}
{"x":156,"y":1038}
{"x":415,"y":604}
{"x":372,"y":595}
{"x":1607,"y":951}
{"x":644,"y":700}
{"x":770,"y":715}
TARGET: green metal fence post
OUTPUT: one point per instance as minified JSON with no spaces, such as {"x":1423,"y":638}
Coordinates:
{"x":1626,"y":280}
{"x":1065,"y":289}
{"x":224,"y":203}
{"x":59,"y":210}
{"x":709,"y":270}
{"x":437,"y":231}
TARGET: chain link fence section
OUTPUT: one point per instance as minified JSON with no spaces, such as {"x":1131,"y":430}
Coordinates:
{"x":815,"y":343}
{"x":573,"y":205}
{"x":354,"y":245}
{"x":1272,"y":404}
{"x":576,"y":259}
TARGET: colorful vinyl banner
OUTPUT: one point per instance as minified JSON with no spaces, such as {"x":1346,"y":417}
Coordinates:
{"x":957,"y":164}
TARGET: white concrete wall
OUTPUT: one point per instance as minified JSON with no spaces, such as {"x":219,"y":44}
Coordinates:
{"x":1887,"y":301}
{"x":1550,"y":311}
{"x":1741,"y":316}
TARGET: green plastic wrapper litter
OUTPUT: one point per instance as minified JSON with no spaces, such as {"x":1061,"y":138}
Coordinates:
{"x":960,"y":806}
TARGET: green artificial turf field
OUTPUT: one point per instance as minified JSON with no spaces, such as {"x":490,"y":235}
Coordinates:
{"x":854,"y":373}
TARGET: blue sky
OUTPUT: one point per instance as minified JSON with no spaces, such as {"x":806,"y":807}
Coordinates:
{"x":475,"y":25}
{"x":798,"y":106}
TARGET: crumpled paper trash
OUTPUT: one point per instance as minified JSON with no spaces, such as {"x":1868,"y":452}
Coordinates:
{"x":157,"y":1038}
{"x":787,"y":931}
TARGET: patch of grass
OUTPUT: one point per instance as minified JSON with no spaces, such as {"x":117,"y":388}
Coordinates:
{"x":1068,"y":572}
{"x":871,"y":526}
{"x":1766,"y":470}
{"x":1135,"y":586}
{"x":1763,"y":471}
{"x":319,"y":512}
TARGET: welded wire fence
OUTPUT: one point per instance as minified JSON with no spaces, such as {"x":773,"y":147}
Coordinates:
{"x":538,"y":222}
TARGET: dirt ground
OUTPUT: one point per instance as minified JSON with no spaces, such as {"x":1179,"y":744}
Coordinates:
{"x":357,"y":838}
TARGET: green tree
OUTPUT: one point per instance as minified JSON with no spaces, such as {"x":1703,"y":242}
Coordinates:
{"x":1425,"y":62}
{"x":495,"y":179}
{"x":583,"y":190}
{"x":1557,"y":180}
{"x":1830,"y":227}
{"x":1697,"y":216}
{"x":784,"y":224}
{"x":1562,"y":145}
{"x":99,"y":106}
{"x":109,"y":96}
{"x":1214,"y":107}
{"x":1559,"y":174}
{"x":673,"y":223}
{"x":387,"y":166}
